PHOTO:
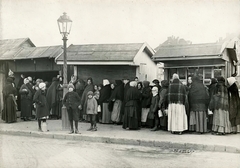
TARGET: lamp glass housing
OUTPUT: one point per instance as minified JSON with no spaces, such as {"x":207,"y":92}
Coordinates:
{"x":64,"y":24}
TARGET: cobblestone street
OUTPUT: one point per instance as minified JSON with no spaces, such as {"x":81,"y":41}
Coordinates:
{"x":24,"y":152}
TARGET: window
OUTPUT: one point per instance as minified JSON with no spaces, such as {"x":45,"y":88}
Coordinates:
{"x":207,"y":76}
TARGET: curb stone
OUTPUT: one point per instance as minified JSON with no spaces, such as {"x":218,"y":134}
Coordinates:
{"x":122,"y":141}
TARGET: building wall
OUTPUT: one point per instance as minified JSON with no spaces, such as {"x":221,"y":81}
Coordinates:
{"x":147,"y":69}
{"x":110,"y":72}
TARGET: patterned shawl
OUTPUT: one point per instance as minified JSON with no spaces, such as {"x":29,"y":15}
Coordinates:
{"x":176,"y":92}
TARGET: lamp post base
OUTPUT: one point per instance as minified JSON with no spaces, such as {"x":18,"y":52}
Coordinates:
{"x":65,"y":120}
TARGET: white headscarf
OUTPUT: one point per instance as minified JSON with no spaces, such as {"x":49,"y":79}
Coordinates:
{"x":133,"y":83}
{"x":231,"y":81}
{"x":105,"y":82}
{"x":41,"y":85}
{"x":175,"y":76}
{"x":154,"y":91}
{"x":25,"y":81}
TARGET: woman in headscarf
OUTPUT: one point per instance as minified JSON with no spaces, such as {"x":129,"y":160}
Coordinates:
{"x":105,"y":94}
{"x":140,"y":86}
{"x":198,"y":101}
{"x":52,"y":98}
{"x":234,"y":110}
{"x":26,"y":100}
{"x":176,"y":96}
{"x":9,"y":102}
{"x":117,"y":98}
{"x":153,"y":119}
{"x":219,"y":104}
{"x":212,"y":91}
{"x":146,"y":97}
{"x":89,"y":87}
{"x":42,"y":110}
{"x":132,"y":108}
{"x":163,"y":104}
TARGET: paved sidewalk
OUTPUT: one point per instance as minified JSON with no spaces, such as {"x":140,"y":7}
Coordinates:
{"x":108,"y":133}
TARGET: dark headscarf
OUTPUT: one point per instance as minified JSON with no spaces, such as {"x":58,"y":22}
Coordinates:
{"x":198,"y":94}
{"x":118,"y":92}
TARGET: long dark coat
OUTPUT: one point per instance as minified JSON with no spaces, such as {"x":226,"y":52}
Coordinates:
{"x":52,"y":97}
{"x":40,"y":100}
{"x":9,"y":103}
{"x":234,"y":107}
{"x":146,"y":95}
{"x":132,"y":108}
{"x":26,"y":101}
{"x":84,"y":96}
{"x":72,"y":101}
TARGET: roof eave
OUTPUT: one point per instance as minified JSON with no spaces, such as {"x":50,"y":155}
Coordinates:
{"x":130,"y":63}
{"x":199,"y":57}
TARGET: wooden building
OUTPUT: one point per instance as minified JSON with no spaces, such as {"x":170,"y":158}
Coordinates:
{"x":22,"y":57}
{"x":111,"y":61}
{"x":210,"y":60}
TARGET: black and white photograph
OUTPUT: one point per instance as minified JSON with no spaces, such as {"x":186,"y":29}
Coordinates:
{"x":119,"y":83}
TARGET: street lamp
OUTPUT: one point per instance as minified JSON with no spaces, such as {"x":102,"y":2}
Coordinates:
{"x":64,"y":25}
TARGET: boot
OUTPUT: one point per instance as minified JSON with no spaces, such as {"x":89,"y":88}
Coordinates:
{"x":156,"y":125}
{"x":71,"y":125}
{"x":76,"y":127}
{"x":39,"y":125}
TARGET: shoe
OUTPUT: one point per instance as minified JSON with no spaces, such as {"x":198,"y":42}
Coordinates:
{"x":71,"y":132}
{"x":40,"y":130}
{"x":90,"y":129}
{"x":154,"y":129}
{"x":94,"y":129}
{"x":76,"y":132}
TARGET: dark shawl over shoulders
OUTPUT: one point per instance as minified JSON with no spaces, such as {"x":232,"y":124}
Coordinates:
{"x":52,"y":96}
{"x":198,"y":96}
{"x":221,"y":99}
{"x":84,"y":95}
{"x":118,"y":92}
{"x":234,"y":110}
{"x":105,"y":94}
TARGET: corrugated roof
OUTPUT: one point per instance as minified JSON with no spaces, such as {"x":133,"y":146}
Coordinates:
{"x":102,"y":52}
{"x":31,"y":53}
{"x":14,"y":43}
{"x":189,"y":50}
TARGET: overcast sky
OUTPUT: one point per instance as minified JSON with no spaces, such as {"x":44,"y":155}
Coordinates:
{"x":120,"y":21}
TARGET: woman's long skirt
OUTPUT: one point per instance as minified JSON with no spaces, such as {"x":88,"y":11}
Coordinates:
{"x":198,"y":121}
{"x":164,"y":122}
{"x":221,"y":123}
{"x":106,"y":114}
{"x":130,"y":119}
{"x":9,"y":110}
{"x":144,"y":114}
{"x":177,"y":118}
{"x":116,"y":116}
{"x":26,"y":105}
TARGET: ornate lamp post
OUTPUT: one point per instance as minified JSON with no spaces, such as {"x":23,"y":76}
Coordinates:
{"x":64,"y":24}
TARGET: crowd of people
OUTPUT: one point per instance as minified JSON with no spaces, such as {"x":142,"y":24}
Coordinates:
{"x":166,"y":105}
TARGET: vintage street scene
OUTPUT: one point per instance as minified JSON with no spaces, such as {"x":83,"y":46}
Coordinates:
{"x":119,"y":84}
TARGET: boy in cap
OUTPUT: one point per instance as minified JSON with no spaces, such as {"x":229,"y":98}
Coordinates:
{"x":72,"y":102}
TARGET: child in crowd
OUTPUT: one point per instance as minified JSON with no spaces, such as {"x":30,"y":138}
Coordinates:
{"x":72,"y":102}
{"x":91,"y":110}
{"x":40,"y":101}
